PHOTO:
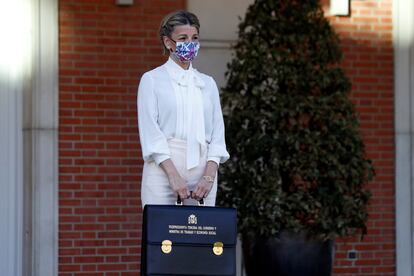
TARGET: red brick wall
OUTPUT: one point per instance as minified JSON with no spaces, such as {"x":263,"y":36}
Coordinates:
{"x":368,"y":60}
{"x":103,"y":50}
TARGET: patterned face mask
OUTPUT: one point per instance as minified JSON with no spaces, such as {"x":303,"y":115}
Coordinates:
{"x":186,"y":51}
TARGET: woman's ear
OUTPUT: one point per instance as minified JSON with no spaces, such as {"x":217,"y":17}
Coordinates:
{"x":167,"y":43}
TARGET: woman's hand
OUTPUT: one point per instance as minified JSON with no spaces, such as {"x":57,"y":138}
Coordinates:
{"x":179,"y":186}
{"x":177,"y":183}
{"x":206,"y":181}
{"x":202,"y":190}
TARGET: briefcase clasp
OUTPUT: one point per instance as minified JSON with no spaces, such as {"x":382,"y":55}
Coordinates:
{"x":218,"y":248}
{"x":166,"y":246}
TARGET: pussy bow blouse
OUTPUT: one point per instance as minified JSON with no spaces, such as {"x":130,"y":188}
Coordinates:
{"x":183,"y":104}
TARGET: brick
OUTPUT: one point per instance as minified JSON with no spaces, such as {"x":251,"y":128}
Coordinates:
{"x":111,"y":251}
{"x":69,"y":202}
{"x":88,"y":259}
{"x":69,"y":268}
{"x":112,"y":235}
{"x":88,"y":243}
{"x":112,"y":267}
{"x":89,"y":211}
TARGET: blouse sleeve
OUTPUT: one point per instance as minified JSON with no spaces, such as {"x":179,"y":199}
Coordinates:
{"x":153,"y":141}
{"x":217,"y":149}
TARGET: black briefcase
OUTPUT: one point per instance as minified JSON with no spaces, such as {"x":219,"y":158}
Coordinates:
{"x":188,"y":240}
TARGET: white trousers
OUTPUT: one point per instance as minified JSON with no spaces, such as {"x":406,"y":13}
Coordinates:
{"x":155,"y":188}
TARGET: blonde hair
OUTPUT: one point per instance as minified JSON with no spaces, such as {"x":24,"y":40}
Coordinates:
{"x":177,"y":18}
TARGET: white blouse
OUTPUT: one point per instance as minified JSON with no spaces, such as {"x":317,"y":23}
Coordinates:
{"x":183,"y":104}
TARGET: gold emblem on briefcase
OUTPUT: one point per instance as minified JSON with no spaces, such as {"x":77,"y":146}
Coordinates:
{"x":166,"y":246}
{"x":218,"y":248}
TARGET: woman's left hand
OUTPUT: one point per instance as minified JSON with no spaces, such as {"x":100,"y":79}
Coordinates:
{"x":206,"y":182}
{"x":202,"y":189}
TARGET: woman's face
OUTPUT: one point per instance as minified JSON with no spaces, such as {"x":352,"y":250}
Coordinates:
{"x":181,"y":33}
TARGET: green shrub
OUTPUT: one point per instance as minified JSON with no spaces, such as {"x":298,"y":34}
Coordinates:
{"x":297,"y":158}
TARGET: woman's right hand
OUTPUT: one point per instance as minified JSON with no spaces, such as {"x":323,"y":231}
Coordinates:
{"x":179,"y":186}
{"x":177,"y":183}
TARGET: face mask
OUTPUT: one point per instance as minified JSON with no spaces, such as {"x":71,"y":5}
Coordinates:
{"x":186,"y":51}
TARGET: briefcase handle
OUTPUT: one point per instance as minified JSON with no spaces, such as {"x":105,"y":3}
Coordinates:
{"x":180,"y":202}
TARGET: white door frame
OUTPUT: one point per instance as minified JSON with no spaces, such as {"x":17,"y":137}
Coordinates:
{"x":403,"y":17}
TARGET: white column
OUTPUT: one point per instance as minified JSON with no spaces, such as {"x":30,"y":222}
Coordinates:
{"x":41,"y":145}
{"x":14,"y":67}
{"x":29,"y":138}
{"x":403,"y":16}
{"x":11,"y":215}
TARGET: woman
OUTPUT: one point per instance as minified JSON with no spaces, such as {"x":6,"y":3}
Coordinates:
{"x":180,"y":121}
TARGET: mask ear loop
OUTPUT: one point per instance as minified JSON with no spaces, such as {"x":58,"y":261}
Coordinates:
{"x":170,"y":49}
